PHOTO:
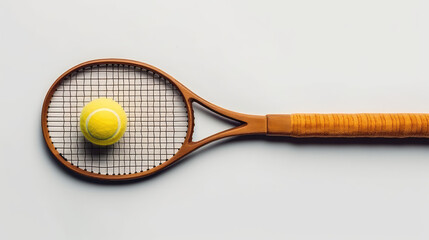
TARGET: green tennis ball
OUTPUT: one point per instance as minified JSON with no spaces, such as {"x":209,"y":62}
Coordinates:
{"x":103,"y":121}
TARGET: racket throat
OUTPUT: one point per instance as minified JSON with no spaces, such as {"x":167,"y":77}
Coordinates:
{"x":250,"y":125}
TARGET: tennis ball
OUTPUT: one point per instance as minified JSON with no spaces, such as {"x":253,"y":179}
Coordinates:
{"x":103,"y":121}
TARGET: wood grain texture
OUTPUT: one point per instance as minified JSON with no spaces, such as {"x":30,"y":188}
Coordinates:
{"x":399,"y":125}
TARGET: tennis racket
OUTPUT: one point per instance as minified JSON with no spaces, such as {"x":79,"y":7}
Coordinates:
{"x":161,"y":120}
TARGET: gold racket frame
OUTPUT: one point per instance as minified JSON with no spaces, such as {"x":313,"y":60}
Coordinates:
{"x":251,"y":124}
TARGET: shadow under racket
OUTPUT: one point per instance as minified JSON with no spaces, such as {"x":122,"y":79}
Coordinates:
{"x":204,"y":113}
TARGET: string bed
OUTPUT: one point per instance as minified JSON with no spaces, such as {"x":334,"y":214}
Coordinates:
{"x":156,"y":112}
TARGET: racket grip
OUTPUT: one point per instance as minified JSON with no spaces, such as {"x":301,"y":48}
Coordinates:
{"x":400,"y":125}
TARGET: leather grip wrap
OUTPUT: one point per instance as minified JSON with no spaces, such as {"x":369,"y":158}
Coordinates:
{"x":350,"y":125}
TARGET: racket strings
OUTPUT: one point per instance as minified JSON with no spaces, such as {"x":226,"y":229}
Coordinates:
{"x":156,"y":112}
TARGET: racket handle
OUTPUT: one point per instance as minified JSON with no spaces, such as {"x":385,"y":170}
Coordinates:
{"x":349,"y":125}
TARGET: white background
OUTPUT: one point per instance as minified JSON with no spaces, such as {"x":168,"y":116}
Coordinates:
{"x":250,"y":56}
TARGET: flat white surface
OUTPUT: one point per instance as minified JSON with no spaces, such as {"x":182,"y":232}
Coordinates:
{"x":250,"y":56}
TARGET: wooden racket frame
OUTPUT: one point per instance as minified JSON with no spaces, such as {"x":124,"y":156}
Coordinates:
{"x":250,"y":124}
{"x":386,"y":125}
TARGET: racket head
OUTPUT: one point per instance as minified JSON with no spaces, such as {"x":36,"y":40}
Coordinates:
{"x":150,"y":144}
